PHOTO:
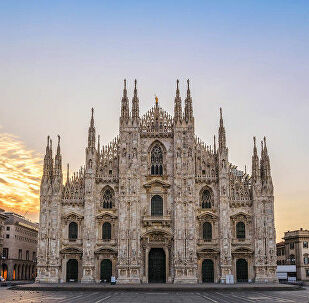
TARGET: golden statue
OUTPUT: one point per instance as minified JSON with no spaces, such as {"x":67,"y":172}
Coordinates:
{"x":157,"y":100}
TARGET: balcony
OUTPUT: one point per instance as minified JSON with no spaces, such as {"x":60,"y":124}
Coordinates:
{"x":111,"y":242}
{"x":208,"y":243}
{"x":77,"y":242}
{"x":241,"y":242}
{"x":160,"y":221}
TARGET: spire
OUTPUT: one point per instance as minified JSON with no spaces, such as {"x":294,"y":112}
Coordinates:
{"x":47,"y":146}
{"x":58,"y":160}
{"x":68,"y":173}
{"x":46,"y":165}
{"x":262,"y":166}
{"x":48,"y":161}
{"x":255,"y":162}
{"x":177,"y":105}
{"x":98,"y":143}
{"x":188,"y":104}
{"x":135,"y":103}
{"x":91,"y":132}
{"x":51,"y":148}
{"x":125,"y":104}
{"x":58,"y":147}
{"x":266,"y":160}
{"x":222,"y":138}
{"x":215,"y":147}
{"x":51,"y":161}
{"x":92,"y":120}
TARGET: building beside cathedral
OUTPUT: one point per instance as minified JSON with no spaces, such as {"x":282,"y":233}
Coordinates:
{"x":157,"y":205}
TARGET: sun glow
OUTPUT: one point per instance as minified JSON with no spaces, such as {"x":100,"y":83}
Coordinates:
{"x":20,"y":173}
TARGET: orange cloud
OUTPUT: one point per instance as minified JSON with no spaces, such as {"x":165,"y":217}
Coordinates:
{"x":20,"y":174}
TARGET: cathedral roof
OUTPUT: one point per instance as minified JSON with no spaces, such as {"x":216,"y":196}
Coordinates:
{"x":156,"y":122}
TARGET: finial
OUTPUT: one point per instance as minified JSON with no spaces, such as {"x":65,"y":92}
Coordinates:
{"x":245,"y":169}
{"x":48,"y":141}
{"x":220,"y":112}
{"x":177,"y":84}
{"x":254,"y":141}
{"x":265,"y":141}
{"x":58,"y":139}
{"x":92,"y":110}
{"x":135,"y":82}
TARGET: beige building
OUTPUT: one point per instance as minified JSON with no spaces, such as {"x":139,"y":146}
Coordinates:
{"x":294,"y":251}
{"x":157,"y":205}
{"x":19,"y":247}
{"x":281,"y":258}
{"x":2,"y":219}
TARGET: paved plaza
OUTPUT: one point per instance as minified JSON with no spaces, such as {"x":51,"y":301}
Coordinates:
{"x":226,"y":296}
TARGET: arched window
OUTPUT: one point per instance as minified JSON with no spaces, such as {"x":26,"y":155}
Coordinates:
{"x":206,"y":199}
{"x":73,"y":231}
{"x":207,"y":231}
{"x":240,"y":230}
{"x":106,"y":231}
{"x":107,"y":198}
{"x":156,"y":206}
{"x":156,"y":160}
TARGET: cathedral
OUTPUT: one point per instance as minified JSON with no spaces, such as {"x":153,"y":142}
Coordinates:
{"x":157,"y":205}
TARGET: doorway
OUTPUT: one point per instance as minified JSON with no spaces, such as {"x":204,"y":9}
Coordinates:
{"x":208,"y":271}
{"x":156,"y":266}
{"x":72,"y":270}
{"x":242,"y":270}
{"x":106,"y":270}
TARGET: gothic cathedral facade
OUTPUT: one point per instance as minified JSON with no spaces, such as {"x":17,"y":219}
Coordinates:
{"x":157,"y":205}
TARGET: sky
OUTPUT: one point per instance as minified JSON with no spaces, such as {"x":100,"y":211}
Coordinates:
{"x":60,"y":58}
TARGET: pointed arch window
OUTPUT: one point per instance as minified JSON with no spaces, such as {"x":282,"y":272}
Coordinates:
{"x":156,"y":206}
{"x":206,"y":199}
{"x":207,"y":231}
{"x":106,"y":231}
{"x":240,"y":230}
{"x":107,"y":198}
{"x":73,"y":231}
{"x":156,"y":160}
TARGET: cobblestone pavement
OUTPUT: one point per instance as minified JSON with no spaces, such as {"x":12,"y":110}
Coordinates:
{"x":9,"y":296}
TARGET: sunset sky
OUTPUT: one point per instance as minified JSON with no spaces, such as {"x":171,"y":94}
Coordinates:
{"x":60,"y":58}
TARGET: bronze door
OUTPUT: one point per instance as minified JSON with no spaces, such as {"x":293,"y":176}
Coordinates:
{"x":208,"y":271}
{"x":242,"y":270}
{"x":72,"y":270}
{"x":106,"y":270}
{"x":156,"y":266}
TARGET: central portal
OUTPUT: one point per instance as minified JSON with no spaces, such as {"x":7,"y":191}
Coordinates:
{"x":156,"y":266}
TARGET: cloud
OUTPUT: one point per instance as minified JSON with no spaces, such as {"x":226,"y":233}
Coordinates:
{"x":20,"y":173}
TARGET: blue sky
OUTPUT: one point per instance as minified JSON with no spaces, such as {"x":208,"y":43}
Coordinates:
{"x":60,"y":58}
